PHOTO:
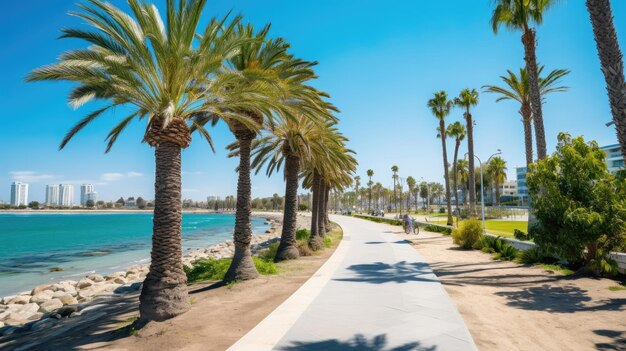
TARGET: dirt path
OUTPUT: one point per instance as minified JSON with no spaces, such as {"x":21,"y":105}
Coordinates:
{"x":508,"y":306}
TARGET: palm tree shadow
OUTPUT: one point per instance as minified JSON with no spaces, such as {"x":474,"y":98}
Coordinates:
{"x":567,"y":299}
{"x":380,"y":273}
{"x":618,"y":342}
{"x":358,"y":343}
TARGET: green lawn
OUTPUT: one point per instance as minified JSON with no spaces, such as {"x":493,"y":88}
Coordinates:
{"x":494,"y":226}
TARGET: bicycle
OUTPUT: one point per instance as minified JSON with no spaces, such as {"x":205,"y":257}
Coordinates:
{"x":416,"y":228}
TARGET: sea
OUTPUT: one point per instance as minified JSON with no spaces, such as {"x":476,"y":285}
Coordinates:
{"x":34,"y":244}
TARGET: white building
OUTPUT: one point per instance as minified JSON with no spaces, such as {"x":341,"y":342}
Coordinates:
{"x":84,"y":190}
{"x":614,"y":159}
{"x":19,"y":194}
{"x":509,"y":188}
{"x":52,"y":194}
{"x":66,"y":195}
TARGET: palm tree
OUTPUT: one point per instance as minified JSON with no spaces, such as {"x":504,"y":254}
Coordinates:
{"x":611,"y":62}
{"x":160,"y":72}
{"x":440,"y":107}
{"x":463,"y":176}
{"x":378,"y":190}
{"x":410,"y":183}
{"x":497,"y":172}
{"x":357,"y":183}
{"x":466,"y":99}
{"x":394,"y":169}
{"x":519,"y":15}
{"x":518,"y":90}
{"x":456,"y":130}
{"x":370,"y":174}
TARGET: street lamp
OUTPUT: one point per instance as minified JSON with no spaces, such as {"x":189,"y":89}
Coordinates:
{"x":482,"y":188}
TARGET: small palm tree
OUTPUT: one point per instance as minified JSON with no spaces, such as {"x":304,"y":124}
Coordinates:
{"x":168,"y":76}
{"x":466,"y":99}
{"x":611,"y":62}
{"x":440,"y":107}
{"x":458,"y":132}
{"x":370,"y":174}
{"x":394,"y":169}
{"x":497,"y":172}
{"x":520,"y":15}
{"x":519,"y":90}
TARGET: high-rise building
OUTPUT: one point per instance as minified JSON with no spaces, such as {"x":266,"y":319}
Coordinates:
{"x":66,"y":195}
{"x":614,"y":159}
{"x":84,"y":190}
{"x":93,"y":196}
{"x":19,"y":194}
{"x":52,"y":194}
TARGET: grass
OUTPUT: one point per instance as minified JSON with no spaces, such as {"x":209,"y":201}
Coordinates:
{"x":617,"y":287}
{"x":494,"y":226}
{"x":127,"y":322}
{"x":552,"y":268}
{"x":213,"y":270}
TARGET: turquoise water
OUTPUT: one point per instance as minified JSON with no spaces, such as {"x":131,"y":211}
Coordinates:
{"x":31,"y":244}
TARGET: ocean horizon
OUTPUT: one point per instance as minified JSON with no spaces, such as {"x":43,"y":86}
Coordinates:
{"x":31,"y":244}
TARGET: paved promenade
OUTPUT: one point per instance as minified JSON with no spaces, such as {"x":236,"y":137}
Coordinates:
{"x":375,"y":293}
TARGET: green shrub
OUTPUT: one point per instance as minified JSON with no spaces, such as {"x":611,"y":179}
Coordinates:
{"x":442,"y":210}
{"x":531,"y":256}
{"x":265,"y":267}
{"x":304,"y":249}
{"x":467,"y":234}
{"x":437,"y":229}
{"x":506,"y":253}
{"x":303,"y":234}
{"x":211,"y":269}
{"x":520,"y":235}
{"x":269,"y":253}
{"x":601,"y":265}
{"x":328,"y":242}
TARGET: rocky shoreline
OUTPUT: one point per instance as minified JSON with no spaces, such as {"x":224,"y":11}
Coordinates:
{"x":49,"y":302}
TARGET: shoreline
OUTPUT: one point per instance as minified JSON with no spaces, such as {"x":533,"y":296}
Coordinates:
{"x":107,"y":211}
{"x":65,"y":297}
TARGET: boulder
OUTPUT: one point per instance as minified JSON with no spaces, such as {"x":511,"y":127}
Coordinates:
{"x":50,"y":306}
{"x":70,"y":289}
{"x":6,"y":299}
{"x":120,"y":280}
{"x":131,"y":272}
{"x":20,"y":300}
{"x":85,"y":293}
{"x":21,"y":314}
{"x":84,"y":283}
{"x":132,"y":277}
{"x":65,"y":298}
{"x":115,"y":275}
{"x":41,"y":288}
{"x":95,"y":277}
{"x":42,"y":297}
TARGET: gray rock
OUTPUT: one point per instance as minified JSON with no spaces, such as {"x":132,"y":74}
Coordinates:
{"x":85,"y":293}
{"x":84,"y":283}
{"x":6,"y":299}
{"x":120,"y":280}
{"x":42,"y":297}
{"x":67,"y":299}
{"x":20,"y":300}
{"x":41,"y":288}
{"x":50,"y":306}
{"x":96,"y":278}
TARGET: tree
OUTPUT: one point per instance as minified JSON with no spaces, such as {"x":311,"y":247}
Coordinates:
{"x":458,"y":132}
{"x":34,"y":205}
{"x":370,"y":174}
{"x":141,"y":203}
{"x":394,"y":169}
{"x":520,"y":15}
{"x":440,"y":107}
{"x":466,"y":99}
{"x":578,"y":204}
{"x":120,"y":202}
{"x":89,"y":203}
{"x":611,"y":62}
{"x":410,"y":183}
{"x":519,"y":90}
{"x":497,"y":172}
{"x":357,"y":183}
{"x":168,"y":76}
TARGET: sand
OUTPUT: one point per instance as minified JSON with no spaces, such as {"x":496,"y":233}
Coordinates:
{"x":508,"y":306}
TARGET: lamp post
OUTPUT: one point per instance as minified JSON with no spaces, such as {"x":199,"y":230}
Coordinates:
{"x":482,"y":188}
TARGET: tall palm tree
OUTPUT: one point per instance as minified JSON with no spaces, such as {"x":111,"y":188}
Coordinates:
{"x":394,"y":169}
{"x":458,"y":132}
{"x":520,"y":15}
{"x":440,"y":107}
{"x":167,"y":75}
{"x":357,"y":184}
{"x":611,"y":62}
{"x":370,"y":174}
{"x":518,"y":90}
{"x":463,"y":176}
{"x":466,"y":99}
{"x":410,"y":183}
{"x":378,"y":189}
{"x":497,"y":172}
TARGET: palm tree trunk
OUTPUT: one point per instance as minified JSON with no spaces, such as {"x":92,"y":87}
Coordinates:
{"x":497,"y":193}
{"x":528,"y":39}
{"x":164,"y":293}
{"x":470,"y":152}
{"x":287,"y":250}
{"x":326,"y":218}
{"x":442,"y":129}
{"x":456,"y":155}
{"x":611,"y":62}
{"x":528,"y":133}
{"x":321,"y":223}
{"x":242,"y":267}
{"x":315,"y":241}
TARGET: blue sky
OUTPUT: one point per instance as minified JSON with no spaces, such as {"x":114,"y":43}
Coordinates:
{"x":380,"y":60}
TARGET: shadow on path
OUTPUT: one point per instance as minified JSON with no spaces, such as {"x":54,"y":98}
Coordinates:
{"x":401,"y":272}
{"x":618,"y":342}
{"x":357,"y":343}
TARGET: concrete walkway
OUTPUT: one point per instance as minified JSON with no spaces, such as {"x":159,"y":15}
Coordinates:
{"x":375,"y":293}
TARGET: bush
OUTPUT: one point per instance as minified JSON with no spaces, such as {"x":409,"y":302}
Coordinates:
{"x":211,"y":269}
{"x":269,"y":253}
{"x":438,"y":229}
{"x":303,"y":234}
{"x":442,"y":210}
{"x":507,"y":253}
{"x":303,"y":207}
{"x":601,"y":265}
{"x":467,"y":234}
{"x":531,"y":256}
{"x":520,"y":235}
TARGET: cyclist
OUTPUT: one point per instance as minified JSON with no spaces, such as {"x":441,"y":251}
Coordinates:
{"x":407,"y":222}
